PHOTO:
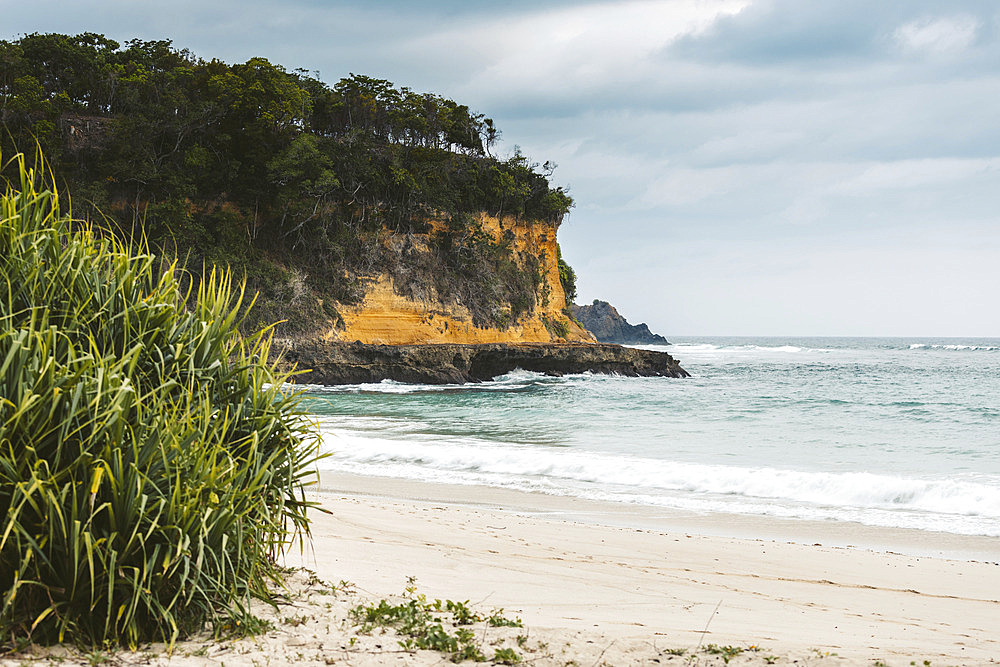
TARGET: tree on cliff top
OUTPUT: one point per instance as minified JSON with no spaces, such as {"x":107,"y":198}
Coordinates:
{"x":273,"y":172}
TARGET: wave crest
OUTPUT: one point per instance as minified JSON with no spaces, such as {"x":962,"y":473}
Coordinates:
{"x":954,"y":348}
{"x":968,"y":505}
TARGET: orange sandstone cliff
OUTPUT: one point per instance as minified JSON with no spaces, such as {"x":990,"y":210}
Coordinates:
{"x":403,"y":307}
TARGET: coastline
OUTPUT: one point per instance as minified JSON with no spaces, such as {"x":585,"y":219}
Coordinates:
{"x":570,"y":565}
{"x":834,"y":534}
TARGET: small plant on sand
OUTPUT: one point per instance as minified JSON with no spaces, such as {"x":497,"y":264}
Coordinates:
{"x":295,"y":620}
{"x":460,"y":612}
{"x":437,"y":626}
{"x":321,"y":587}
{"x":96,"y":658}
{"x":496,"y":619}
{"x":506,"y":656}
{"x":727,"y":652}
{"x":152,"y":466}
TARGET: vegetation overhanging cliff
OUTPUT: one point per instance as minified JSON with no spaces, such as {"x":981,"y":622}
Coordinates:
{"x":345,"y":206}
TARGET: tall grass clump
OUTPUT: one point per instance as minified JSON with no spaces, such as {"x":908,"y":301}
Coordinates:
{"x":151,"y":466}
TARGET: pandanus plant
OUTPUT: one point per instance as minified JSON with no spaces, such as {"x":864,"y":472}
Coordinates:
{"x":152,"y":464}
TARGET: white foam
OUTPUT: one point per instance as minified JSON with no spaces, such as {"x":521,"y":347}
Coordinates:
{"x":709,"y":353}
{"x":791,"y":349}
{"x":517,"y":377}
{"x":953,"y":348}
{"x":970,"y":504}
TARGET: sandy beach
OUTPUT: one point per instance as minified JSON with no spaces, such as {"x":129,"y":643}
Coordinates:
{"x":611,"y":584}
{"x":633,"y":575}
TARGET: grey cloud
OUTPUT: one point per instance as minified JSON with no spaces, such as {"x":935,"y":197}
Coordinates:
{"x":792,"y":32}
{"x":781,"y":171}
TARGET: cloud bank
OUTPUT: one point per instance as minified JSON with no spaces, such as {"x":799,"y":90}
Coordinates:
{"x":740,"y":166}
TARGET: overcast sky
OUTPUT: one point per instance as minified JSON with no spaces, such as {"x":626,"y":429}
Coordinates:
{"x":740,"y":167}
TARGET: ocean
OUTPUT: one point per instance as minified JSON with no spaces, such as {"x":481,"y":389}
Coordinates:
{"x":880,"y":431}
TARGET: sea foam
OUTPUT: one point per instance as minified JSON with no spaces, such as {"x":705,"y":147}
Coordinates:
{"x":877,"y":499}
{"x":954,"y":348}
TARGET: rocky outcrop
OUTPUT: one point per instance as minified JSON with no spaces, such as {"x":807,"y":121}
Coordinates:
{"x":603,"y":320}
{"x":332,"y":362}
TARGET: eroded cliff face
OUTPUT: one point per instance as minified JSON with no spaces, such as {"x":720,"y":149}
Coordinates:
{"x":406,"y":306}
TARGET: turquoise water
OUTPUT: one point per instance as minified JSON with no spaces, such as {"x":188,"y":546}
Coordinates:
{"x":886,"y":432}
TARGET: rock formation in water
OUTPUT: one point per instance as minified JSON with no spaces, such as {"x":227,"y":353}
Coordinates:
{"x":331,"y":362}
{"x":608,"y":326}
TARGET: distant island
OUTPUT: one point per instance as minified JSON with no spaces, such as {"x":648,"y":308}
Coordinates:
{"x":608,"y":326}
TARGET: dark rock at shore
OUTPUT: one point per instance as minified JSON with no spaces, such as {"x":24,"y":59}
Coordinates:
{"x":608,"y":326}
{"x":331,"y":362}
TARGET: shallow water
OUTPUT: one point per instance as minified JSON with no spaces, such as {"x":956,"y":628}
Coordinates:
{"x":886,"y":432}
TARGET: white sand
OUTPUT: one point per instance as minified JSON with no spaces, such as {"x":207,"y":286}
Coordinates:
{"x":553,"y":562}
{"x":618,"y":585}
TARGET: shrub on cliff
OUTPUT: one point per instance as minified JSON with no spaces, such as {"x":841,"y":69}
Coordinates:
{"x":151,"y":467}
{"x":567,"y":276}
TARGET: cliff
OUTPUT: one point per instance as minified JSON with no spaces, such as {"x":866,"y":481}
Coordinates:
{"x":357,"y":212}
{"x":354,"y":211}
{"x":422,"y":297}
{"x":332,"y":362}
{"x":608,"y":326}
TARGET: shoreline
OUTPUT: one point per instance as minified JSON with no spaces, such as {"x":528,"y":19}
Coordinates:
{"x":836,"y":534}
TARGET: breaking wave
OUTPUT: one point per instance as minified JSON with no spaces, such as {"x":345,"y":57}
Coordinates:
{"x":954,"y":348}
{"x":969,"y":506}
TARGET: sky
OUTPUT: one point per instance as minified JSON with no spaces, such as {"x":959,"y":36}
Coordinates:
{"x":740,"y":167}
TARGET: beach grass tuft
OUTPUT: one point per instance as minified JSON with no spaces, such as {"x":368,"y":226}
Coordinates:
{"x":152,"y":466}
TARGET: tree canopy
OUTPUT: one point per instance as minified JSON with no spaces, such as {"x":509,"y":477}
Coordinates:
{"x":233,"y":162}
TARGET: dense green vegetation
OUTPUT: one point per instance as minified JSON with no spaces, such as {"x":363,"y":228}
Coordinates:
{"x":567,"y":276}
{"x":283,"y":177}
{"x":151,"y":467}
